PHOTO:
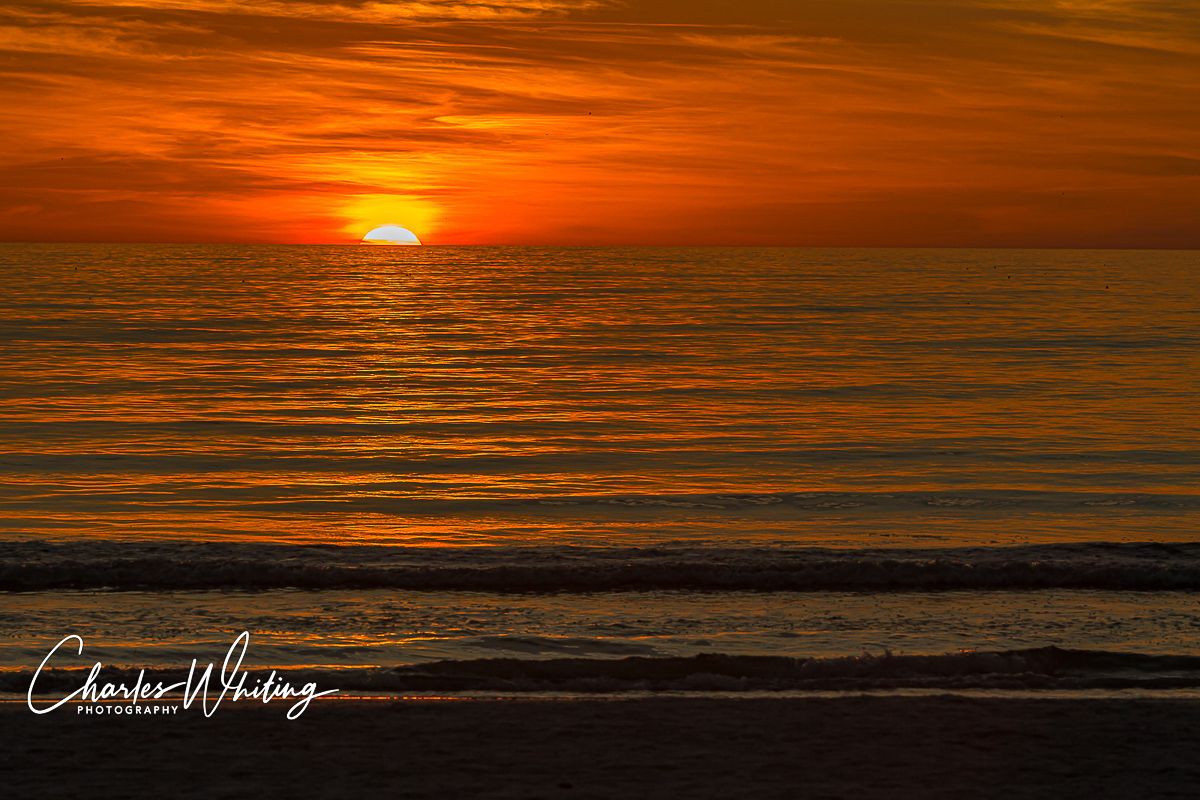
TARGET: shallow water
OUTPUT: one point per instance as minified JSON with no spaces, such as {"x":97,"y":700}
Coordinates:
{"x":363,"y":628}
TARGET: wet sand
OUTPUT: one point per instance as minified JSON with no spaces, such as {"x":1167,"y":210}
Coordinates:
{"x":846,"y":747}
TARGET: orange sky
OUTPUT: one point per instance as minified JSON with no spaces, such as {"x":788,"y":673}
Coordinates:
{"x":730,"y":122}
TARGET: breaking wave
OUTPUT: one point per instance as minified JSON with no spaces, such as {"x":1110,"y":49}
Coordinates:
{"x":36,"y":566}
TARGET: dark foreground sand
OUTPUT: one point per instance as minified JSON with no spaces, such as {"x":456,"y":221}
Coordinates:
{"x":852,"y":747}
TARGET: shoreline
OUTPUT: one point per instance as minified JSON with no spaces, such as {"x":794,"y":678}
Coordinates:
{"x":854,"y":746}
{"x":1183,"y":695}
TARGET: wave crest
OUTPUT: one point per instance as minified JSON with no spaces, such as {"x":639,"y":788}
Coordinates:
{"x":36,"y":566}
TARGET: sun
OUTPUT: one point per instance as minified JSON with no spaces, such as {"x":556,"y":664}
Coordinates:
{"x":390,"y":234}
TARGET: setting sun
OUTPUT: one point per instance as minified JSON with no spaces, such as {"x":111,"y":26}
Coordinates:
{"x":390,"y":234}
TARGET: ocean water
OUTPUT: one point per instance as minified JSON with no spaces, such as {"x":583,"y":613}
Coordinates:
{"x":459,"y":468}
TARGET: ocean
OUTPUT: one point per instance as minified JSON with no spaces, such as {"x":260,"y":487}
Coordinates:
{"x":455,"y":470}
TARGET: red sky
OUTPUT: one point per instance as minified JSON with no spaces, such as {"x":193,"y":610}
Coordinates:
{"x":994,"y":123}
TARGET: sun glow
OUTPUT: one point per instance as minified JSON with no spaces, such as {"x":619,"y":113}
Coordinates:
{"x":390,"y":234}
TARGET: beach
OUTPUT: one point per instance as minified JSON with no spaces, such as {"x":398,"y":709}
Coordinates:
{"x":859,"y":746}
